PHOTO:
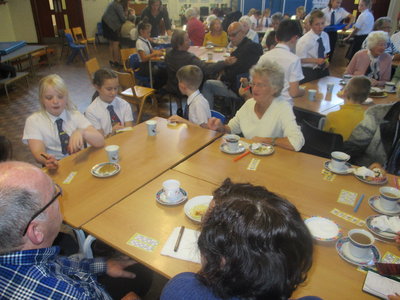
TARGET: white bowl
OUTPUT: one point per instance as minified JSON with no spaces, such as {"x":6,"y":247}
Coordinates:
{"x":202,"y":202}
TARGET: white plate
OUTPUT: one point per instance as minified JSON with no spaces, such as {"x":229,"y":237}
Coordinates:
{"x":377,"y":231}
{"x":195,"y":201}
{"x":342,"y":248}
{"x":375,"y":204}
{"x":328,"y":166}
{"x":160,"y":197}
{"x":264,"y":149}
{"x":372,"y":182}
{"x":323,"y":229}
{"x":241,"y":147}
{"x":96,"y":170}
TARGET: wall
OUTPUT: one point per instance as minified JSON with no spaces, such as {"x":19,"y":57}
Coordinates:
{"x":6,"y":29}
{"x":93,"y":11}
{"x":22,"y":19}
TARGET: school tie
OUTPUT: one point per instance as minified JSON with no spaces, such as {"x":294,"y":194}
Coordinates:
{"x":186,"y":112}
{"x":321,"y":48}
{"x":266,"y":22}
{"x":113,"y":116}
{"x":333,"y":18}
{"x":64,"y":137}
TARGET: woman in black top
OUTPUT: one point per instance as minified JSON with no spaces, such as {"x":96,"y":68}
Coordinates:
{"x":158,"y":17}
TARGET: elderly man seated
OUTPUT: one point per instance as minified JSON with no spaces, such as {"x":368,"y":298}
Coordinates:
{"x":30,"y":268}
{"x":247,"y":54}
{"x":250,"y":33}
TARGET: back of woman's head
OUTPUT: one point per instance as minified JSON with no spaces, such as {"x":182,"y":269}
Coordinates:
{"x":254,"y":244}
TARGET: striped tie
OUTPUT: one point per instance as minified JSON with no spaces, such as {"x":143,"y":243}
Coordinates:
{"x":64,"y":137}
{"x":113,"y":116}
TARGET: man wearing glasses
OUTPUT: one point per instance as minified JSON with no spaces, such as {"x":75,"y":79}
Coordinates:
{"x":30,"y":220}
{"x":247,"y":54}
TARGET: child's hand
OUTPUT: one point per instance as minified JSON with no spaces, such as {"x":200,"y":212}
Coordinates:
{"x":51,"y":162}
{"x":116,"y":127}
{"x":75,"y":141}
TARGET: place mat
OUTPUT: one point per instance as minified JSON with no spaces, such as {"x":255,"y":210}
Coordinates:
{"x":188,"y":249}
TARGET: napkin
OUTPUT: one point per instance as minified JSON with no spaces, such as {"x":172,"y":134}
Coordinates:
{"x":368,"y":101}
{"x":364,"y":172}
{"x":386,"y":223}
{"x":187,"y":250}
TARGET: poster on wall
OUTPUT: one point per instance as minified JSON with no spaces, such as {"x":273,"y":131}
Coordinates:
{"x":320,"y":3}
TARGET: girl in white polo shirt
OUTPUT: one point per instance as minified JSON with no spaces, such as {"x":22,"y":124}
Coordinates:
{"x":107,"y":112}
{"x":58,"y":129}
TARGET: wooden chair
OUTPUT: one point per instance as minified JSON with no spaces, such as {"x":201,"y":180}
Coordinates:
{"x":125,"y":53}
{"x":81,"y":39}
{"x":139,"y":93}
{"x":92,"y":65}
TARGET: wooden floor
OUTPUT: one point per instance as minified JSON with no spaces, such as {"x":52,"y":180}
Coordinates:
{"x":24,"y":100}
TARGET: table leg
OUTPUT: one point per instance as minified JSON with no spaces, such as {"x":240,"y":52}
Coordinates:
{"x":150,"y":74}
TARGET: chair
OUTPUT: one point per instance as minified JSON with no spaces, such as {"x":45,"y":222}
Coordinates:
{"x":320,"y":143}
{"x":81,"y":39}
{"x":75,"y":49}
{"x":135,"y":65}
{"x":218,"y":115}
{"x":92,"y":65}
{"x":99,"y":32}
{"x":125,"y":53}
{"x":315,"y":119}
{"x":139,"y":93}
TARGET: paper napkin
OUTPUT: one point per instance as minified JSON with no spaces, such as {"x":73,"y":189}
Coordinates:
{"x":187,"y":250}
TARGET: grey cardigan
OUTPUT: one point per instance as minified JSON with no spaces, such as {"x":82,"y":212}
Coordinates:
{"x":114,"y":16}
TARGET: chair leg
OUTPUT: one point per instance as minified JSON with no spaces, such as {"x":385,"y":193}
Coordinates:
{"x":140,"y":112}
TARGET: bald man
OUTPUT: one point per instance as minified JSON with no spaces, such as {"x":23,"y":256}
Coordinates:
{"x":30,"y":219}
{"x":247,"y":54}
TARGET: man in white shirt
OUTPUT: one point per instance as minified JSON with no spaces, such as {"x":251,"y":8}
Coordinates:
{"x":313,"y":48}
{"x":287,"y":34}
{"x":250,"y":33}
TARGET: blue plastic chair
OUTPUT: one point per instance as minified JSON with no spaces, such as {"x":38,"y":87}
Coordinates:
{"x":75,"y":49}
{"x":217,"y":114}
{"x":134,"y":63}
{"x":99,"y":32}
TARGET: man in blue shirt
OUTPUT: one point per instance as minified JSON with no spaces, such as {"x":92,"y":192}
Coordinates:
{"x":30,"y":219}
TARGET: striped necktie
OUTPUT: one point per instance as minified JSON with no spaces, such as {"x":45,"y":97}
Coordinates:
{"x":113,"y":116}
{"x":64,"y":137}
{"x":333,"y":18}
{"x":321,"y":48}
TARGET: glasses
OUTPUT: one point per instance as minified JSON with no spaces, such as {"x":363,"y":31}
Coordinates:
{"x":260,"y":85}
{"x":44,"y":208}
{"x":233,"y":34}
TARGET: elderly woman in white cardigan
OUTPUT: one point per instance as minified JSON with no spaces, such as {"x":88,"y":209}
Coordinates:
{"x":373,"y":62}
{"x":265,"y":118}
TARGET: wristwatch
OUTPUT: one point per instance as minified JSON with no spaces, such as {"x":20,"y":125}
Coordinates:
{"x":273,"y":141}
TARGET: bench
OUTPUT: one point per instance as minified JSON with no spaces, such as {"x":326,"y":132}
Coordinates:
{"x":6,"y":81}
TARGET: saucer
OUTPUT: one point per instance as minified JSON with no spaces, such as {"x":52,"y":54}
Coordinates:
{"x":328,"y":166}
{"x":372,"y":182}
{"x":342,"y":248}
{"x":241,"y":147}
{"x":377,"y":231}
{"x":160,"y":197}
{"x":376,"y":206}
{"x":263,"y":149}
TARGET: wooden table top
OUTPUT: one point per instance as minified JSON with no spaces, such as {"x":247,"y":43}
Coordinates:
{"x":329,"y":102}
{"x":297,"y":177}
{"x":142,"y":158}
{"x":202,"y":53}
{"x":140,"y":213}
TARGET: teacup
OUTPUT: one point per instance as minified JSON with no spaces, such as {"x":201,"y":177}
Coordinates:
{"x":389,"y":197}
{"x":232,"y":141}
{"x":390,"y":87}
{"x":360,"y":242}
{"x":329,"y":87}
{"x":346,"y":78}
{"x":171,"y":188}
{"x":338,"y":160}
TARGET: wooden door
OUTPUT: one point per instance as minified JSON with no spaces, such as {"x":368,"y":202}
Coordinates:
{"x":53,"y":16}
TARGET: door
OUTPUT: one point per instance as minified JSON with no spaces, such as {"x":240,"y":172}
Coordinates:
{"x":53,"y":16}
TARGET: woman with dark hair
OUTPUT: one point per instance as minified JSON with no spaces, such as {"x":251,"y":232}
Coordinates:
{"x":114,"y":17}
{"x":264,"y":254}
{"x":158,"y":17}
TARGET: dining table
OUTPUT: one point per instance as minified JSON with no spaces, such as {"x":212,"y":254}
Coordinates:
{"x":141,"y":159}
{"x":326,"y":102}
{"x":298,"y":177}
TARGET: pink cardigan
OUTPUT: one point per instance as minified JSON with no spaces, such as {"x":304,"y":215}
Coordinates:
{"x":360,"y":63}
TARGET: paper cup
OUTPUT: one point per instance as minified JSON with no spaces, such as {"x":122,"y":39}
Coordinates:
{"x":151,"y":127}
{"x":113,"y":153}
{"x":312,"y":95}
{"x":339,"y":159}
{"x":389,"y":197}
{"x":171,"y":189}
{"x":210,"y":56}
{"x":360,"y":242}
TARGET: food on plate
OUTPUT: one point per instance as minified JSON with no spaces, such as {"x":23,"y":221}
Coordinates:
{"x":107,"y":169}
{"x":218,"y":49}
{"x":262,"y":149}
{"x":379,"y":176}
{"x":197,"y":212}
